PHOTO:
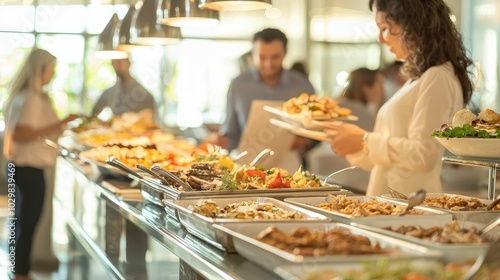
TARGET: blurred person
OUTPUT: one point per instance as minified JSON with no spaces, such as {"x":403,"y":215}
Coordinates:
{"x":300,"y":67}
{"x":364,"y":94}
{"x":127,"y":95}
{"x":400,"y":151}
{"x":246,"y":62}
{"x":394,"y":79}
{"x":29,"y":116}
{"x":268,"y":81}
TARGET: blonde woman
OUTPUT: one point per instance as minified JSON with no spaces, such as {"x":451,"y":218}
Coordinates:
{"x":29,"y":116}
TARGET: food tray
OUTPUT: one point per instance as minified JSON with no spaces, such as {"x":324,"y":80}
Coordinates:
{"x":381,"y":269}
{"x":270,"y":257}
{"x":309,"y":202}
{"x":202,"y":226}
{"x":153,"y":191}
{"x":106,"y":169}
{"x":282,"y":193}
{"x":451,"y":252}
{"x":477,"y":216}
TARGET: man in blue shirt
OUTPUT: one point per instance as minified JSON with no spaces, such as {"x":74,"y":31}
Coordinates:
{"x":268,"y":81}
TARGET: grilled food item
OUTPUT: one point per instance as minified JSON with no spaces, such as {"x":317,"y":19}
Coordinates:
{"x":307,"y":242}
{"x":457,"y":203}
{"x":450,"y":233}
{"x":356,"y":208}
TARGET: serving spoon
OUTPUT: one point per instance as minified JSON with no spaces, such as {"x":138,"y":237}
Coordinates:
{"x":415,"y":199}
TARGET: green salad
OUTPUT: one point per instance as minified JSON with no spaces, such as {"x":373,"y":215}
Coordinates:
{"x":392,"y":270}
{"x":447,"y":131}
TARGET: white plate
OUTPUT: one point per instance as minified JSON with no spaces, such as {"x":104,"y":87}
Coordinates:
{"x":305,"y":119}
{"x":472,"y":147}
{"x":311,"y":134}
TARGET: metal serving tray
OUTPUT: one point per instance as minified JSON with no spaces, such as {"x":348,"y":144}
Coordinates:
{"x":310,"y":202}
{"x":282,"y":193}
{"x":202,"y":226}
{"x":270,"y":257}
{"x":456,"y":252}
{"x":477,"y":216}
{"x":153,"y":191}
{"x":381,"y":269}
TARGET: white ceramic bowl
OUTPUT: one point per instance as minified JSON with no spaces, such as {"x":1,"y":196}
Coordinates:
{"x":472,"y":147}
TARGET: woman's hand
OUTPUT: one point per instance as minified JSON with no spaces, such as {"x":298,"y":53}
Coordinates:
{"x":348,"y":139}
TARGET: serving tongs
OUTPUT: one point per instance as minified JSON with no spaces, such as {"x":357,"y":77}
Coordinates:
{"x":154,"y":174}
{"x":113,"y":161}
{"x":325,"y":182}
{"x":399,"y":195}
{"x":261,"y":156}
{"x":167,"y":174}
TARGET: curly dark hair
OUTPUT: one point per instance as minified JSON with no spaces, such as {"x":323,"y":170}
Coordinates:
{"x":431,"y":35}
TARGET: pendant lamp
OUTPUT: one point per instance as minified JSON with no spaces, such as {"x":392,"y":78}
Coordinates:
{"x":235,"y":5}
{"x":186,"y":13}
{"x":105,"y":49}
{"x":146,"y":31}
{"x":121,"y":37}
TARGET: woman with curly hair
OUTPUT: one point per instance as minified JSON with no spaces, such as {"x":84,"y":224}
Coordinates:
{"x":400,"y":151}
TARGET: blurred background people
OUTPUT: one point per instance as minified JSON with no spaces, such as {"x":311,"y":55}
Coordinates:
{"x":300,"y":67}
{"x":127,"y":95}
{"x":364,"y":94}
{"x":30,"y":115}
{"x":268,"y":81}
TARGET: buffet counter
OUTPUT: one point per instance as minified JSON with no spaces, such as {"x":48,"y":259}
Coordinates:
{"x":94,"y":217}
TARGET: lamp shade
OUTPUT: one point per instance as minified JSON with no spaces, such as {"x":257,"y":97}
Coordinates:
{"x":235,"y":5}
{"x":186,"y":13}
{"x":121,"y":37}
{"x":105,"y":49}
{"x":146,"y":31}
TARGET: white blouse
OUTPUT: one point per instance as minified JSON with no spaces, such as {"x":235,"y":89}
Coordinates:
{"x":33,"y":110}
{"x":401,"y":152}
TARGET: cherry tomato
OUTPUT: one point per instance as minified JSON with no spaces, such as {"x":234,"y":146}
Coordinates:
{"x":258,"y":173}
{"x":287,"y":183}
{"x":274,"y":181}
